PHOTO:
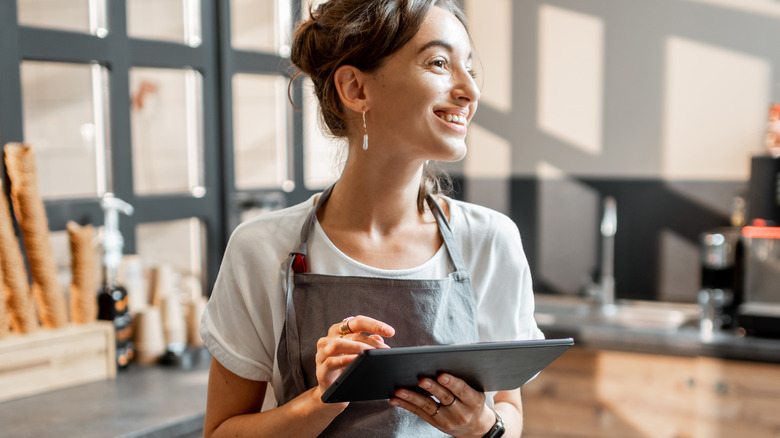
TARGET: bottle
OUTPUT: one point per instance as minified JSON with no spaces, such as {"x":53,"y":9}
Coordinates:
{"x":112,"y":297}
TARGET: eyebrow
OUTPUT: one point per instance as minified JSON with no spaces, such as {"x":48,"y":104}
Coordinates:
{"x":443,"y":44}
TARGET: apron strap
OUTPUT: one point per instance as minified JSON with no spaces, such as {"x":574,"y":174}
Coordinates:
{"x":446,"y":233}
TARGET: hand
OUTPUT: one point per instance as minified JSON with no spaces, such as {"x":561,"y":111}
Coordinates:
{"x":461,"y":410}
{"x":336,"y":350}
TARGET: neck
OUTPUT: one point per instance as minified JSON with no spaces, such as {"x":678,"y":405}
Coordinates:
{"x":374,"y":194}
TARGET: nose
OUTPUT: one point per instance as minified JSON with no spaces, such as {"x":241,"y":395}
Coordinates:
{"x":465,"y":89}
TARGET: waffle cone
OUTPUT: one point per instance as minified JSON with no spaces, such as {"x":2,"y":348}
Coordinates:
{"x":83,"y":287}
{"x":31,"y":215}
{"x":5,"y":321}
{"x":16,"y":291}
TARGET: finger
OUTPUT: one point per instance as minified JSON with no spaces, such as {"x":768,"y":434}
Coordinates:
{"x":375,"y":341}
{"x":419,"y":404}
{"x":364,"y":324}
{"x":461,"y":390}
{"x":416,"y":410}
{"x":380,"y":339}
{"x":335,"y":346}
{"x":336,"y":362}
{"x":445,"y":396}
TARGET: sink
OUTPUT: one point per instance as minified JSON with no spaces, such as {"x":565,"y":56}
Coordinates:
{"x":554,"y":309}
{"x":653,"y":314}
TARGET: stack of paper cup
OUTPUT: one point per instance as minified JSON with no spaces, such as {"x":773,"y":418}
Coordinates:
{"x":173,"y":321}
{"x":149,"y":336}
{"x":194,"y":313}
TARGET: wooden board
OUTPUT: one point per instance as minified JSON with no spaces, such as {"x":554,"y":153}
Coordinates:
{"x":51,"y":359}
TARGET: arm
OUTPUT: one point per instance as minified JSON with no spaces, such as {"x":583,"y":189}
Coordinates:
{"x":233,"y":409}
{"x":509,"y":406}
{"x":233,"y":403}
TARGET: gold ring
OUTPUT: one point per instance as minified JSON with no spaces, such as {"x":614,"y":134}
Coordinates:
{"x":437,"y":410}
{"x":344,"y":329}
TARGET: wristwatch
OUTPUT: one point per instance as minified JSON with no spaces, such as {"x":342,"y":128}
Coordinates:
{"x":498,"y":428}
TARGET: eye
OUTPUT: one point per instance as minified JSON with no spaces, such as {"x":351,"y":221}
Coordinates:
{"x":471,"y":73}
{"x":439,"y":63}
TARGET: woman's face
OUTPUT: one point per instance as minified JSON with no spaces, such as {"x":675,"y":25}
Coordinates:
{"x":423,"y":96}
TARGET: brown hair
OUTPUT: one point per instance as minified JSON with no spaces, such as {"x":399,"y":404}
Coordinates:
{"x":360,"y":33}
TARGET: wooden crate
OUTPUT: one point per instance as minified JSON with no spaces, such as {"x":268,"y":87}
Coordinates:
{"x":56,"y":358}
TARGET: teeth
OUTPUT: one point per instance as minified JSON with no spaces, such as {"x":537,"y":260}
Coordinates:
{"x":461,"y":120}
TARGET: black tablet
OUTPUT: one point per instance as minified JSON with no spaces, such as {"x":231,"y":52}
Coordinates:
{"x":485,"y":366}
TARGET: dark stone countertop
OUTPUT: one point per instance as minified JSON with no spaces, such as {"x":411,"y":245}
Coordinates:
{"x":143,"y":401}
{"x":563,"y":317}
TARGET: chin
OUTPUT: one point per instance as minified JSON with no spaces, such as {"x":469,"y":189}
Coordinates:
{"x":457,"y":154}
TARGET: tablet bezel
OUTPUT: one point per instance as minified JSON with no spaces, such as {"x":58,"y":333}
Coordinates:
{"x":486,"y":366}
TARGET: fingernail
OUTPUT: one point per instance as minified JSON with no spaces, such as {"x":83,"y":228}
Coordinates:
{"x":403,"y":395}
{"x":425,"y":384}
{"x":444,"y":379}
{"x":394,"y":402}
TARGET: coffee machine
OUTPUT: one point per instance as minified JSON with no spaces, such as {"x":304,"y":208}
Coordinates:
{"x":759,"y":313}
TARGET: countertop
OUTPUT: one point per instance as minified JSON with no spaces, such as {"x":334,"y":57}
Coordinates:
{"x":143,"y":401}
{"x":562,"y":317}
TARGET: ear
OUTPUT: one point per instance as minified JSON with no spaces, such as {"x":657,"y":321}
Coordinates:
{"x":350,"y":82}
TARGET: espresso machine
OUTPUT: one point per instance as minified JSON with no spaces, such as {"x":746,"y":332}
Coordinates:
{"x":759,"y":312}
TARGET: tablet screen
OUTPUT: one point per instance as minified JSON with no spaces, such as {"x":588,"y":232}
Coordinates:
{"x":485,"y":366}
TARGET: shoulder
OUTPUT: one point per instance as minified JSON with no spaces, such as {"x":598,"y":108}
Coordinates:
{"x":485,"y":236}
{"x":468,"y":218}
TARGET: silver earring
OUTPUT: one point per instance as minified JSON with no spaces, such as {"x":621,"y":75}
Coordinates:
{"x":365,"y":132}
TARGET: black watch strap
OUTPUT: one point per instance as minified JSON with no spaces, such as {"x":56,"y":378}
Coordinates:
{"x":498,"y":428}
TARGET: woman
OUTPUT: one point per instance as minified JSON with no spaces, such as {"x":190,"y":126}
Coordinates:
{"x":395,"y":78}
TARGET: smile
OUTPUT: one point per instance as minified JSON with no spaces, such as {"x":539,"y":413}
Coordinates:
{"x":453,"y":118}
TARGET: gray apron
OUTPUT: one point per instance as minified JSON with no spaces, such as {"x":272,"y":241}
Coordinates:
{"x":423,"y":312}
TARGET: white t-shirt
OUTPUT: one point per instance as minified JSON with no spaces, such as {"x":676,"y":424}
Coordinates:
{"x":243,"y":320}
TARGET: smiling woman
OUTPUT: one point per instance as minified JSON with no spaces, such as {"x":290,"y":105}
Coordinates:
{"x":394,"y":78}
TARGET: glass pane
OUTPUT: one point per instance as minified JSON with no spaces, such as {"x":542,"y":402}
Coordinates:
{"x":166,"y":130}
{"x":260,"y":114}
{"x":178,"y":244}
{"x":323,"y":155}
{"x":169,"y":20}
{"x":75,"y":15}
{"x":262,"y":25}
{"x":65,"y":122}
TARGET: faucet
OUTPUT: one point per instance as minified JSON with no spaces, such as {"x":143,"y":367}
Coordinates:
{"x":603,"y":293}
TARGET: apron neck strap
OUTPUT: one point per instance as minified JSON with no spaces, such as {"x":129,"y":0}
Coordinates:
{"x":446,"y":233}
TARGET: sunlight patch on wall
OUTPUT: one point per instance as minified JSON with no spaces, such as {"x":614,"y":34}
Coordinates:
{"x":759,"y":7}
{"x":716,"y":103}
{"x":489,"y":156}
{"x":571,"y":77}
{"x":490,"y":24}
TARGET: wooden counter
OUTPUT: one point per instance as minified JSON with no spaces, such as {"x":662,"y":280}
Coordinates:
{"x":602,"y":393}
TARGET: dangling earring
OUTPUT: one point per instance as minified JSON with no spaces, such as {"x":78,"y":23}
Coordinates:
{"x":365,"y":132}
